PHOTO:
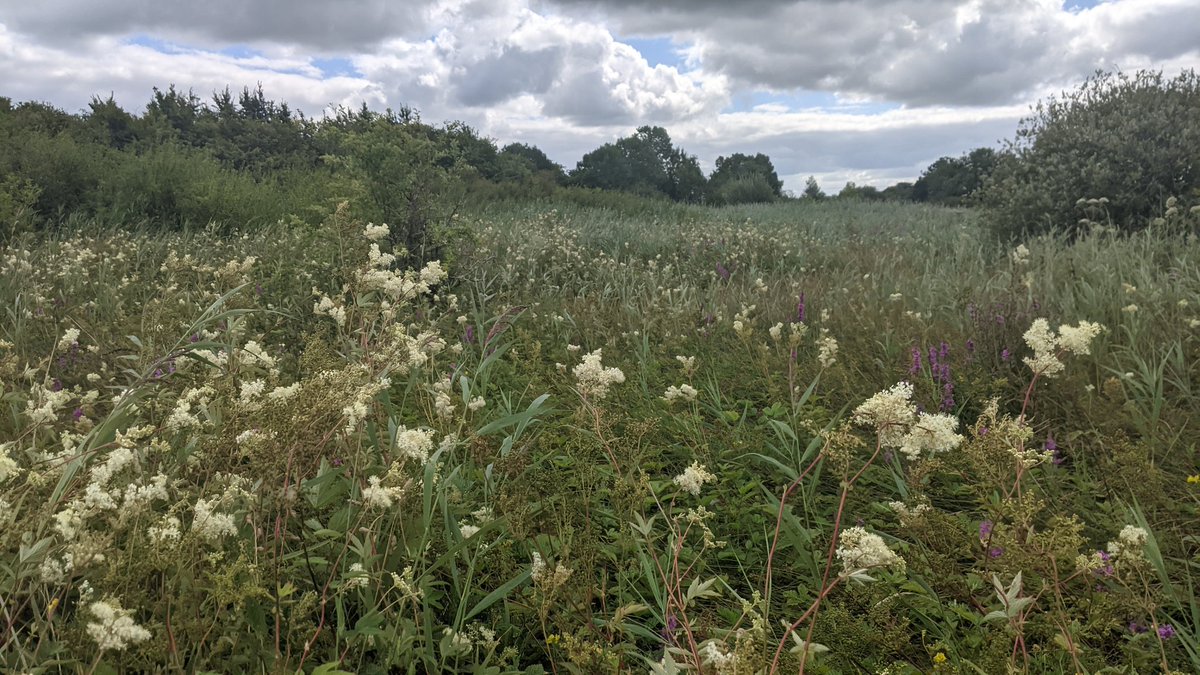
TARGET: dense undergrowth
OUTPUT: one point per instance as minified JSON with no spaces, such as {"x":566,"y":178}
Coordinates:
{"x":590,"y":442}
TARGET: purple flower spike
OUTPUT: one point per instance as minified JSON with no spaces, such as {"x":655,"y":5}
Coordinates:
{"x":1137,"y":628}
{"x":1166,"y":631}
{"x":77,"y":414}
{"x":800,"y":310}
{"x":985,"y":530}
{"x":1005,"y":355}
{"x":995,"y":552}
{"x":722,"y":272}
{"x":916,"y":362}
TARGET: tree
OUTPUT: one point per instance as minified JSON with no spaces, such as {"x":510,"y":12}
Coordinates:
{"x":645,"y":163}
{"x":1134,"y":140}
{"x":741,"y":178}
{"x":951,"y":180}
{"x":865,"y":193}
{"x":536,"y":160}
{"x":812,"y":190}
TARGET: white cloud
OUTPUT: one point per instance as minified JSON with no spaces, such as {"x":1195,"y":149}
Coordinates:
{"x":956,"y":74}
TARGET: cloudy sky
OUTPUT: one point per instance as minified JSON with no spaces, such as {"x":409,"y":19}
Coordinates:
{"x":865,"y":90}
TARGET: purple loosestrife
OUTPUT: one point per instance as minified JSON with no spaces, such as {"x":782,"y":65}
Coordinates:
{"x":916,"y":362}
{"x":800,"y":310}
{"x":722,"y":272}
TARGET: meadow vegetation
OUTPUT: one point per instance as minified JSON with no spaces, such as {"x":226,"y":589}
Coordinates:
{"x":531,"y":426}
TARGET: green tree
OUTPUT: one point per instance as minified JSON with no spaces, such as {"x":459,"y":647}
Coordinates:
{"x":740,"y":178}
{"x":1132,"y":139}
{"x":812,"y":190}
{"x":951,"y":180}
{"x":645,"y":163}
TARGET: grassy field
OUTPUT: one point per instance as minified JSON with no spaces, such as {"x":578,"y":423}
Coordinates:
{"x":593,"y":441}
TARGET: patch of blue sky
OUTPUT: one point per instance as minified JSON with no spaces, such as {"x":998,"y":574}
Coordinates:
{"x":1079,"y":5}
{"x":805,"y":100}
{"x":154,"y":43}
{"x":656,"y":51}
{"x":336,"y":67}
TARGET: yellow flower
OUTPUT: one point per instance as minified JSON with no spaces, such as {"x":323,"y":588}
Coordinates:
{"x":1194,"y":480}
{"x":939,"y":658}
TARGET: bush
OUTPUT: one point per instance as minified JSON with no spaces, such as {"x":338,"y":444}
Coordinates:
{"x":749,"y":189}
{"x":1134,"y":140}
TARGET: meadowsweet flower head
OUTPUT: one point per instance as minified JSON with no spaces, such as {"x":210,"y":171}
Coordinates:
{"x":684,"y":392}
{"x":210,"y":525}
{"x":114,"y":628}
{"x":69,"y":337}
{"x":415,"y":443}
{"x":861,"y":550}
{"x":594,"y":379}
{"x":693,"y":478}
{"x":376,"y":232}
{"x":827,"y":349}
{"x":890,"y":412}
{"x":932,"y":434}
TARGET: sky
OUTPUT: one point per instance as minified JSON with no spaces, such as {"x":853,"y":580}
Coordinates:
{"x":869,"y":91}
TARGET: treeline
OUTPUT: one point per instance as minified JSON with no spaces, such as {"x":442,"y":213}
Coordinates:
{"x":248,"y":159}
{"x":243,"y":159}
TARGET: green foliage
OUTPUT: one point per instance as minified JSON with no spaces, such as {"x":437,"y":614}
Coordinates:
{"x":1133,"y":140}
{"x":404,"y":471}
{"x":812,"y":190}
{"x":645,"y":163}
{"x":741,"y":179}
{"x":952,"y":180}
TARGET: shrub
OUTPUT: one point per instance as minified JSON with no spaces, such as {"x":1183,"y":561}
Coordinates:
{"x":1134,"y":140}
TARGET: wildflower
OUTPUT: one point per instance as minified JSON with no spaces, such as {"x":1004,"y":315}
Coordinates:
{"x":476,"y":403}
{"x":415,"y":443}
{"x":1020,"y":255}
{"x":985,"y":530}
{"x":594,"y":379}
{"x":1166,"y":631}
{"x":939,"y":658}
{"x":933,"y":433}
{"x":1130,"y":308}
{"x":115,"y":628}
{"x":69,"y":337}
{"x":860,"y":550}
{"x":377,"y":496}
{"x":467,"y":531}
{"x":827,"y":352}
{"x":684,"y":392}
{"x":693,"y":478}
{"x":8,"y":466}
{"x":376,"y":232}
{"x":890,"y":412}
{"x":1194,"y":480}
{"x":209,"y":525}
{"x":545,"y":579}
{"x":1129,"y":542}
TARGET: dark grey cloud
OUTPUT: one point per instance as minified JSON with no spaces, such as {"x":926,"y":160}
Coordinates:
{"x":512,"y":72}
{"x":323,"y":24}
{"x":917,"y":52}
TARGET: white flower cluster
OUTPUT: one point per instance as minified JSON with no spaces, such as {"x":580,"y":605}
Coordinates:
{"x":594,"y":379}
{"x":908,"y":513}
{"x":376,"y":232}
{"x":415,"y":443}
{"x":1020,"y":255}
{"x":327,"y":307}
{"x":1047,"y":346}
{"x":827,"y":350}
{"x":69,"y":337}
{"x":688,"y":363}
{"x":398,"y":286}
{"x":210,"y":525}
{"x":862,"y":550}
{"x":1129,"y":542}
{"x":685,"y":392}
{"x":899,"y":426}
{"x":114,"y":629}
{"x":377,"y":496}
{"x":693,"y":478}
{"x":546,"y":579}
